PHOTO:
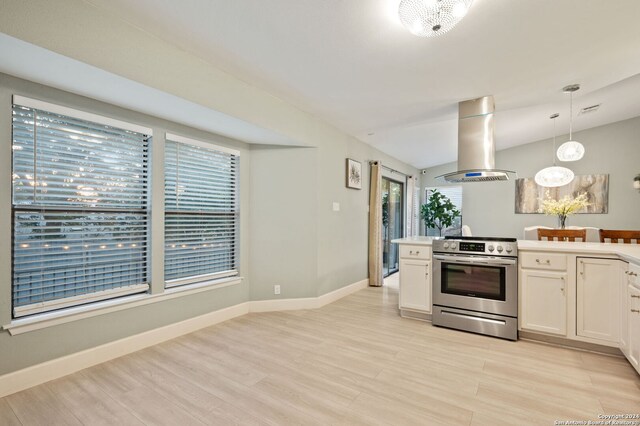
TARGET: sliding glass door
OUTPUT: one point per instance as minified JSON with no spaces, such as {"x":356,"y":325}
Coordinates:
{"x":392,"y":223}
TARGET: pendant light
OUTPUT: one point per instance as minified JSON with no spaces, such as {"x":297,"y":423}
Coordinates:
{"x":571,"y":150}
{"x":554,"y":176}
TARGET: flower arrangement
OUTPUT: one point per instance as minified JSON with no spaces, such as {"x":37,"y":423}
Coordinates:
{"x":563,"y":207}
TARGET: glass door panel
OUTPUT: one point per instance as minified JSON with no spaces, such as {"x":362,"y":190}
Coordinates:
{"x":392,"y":223}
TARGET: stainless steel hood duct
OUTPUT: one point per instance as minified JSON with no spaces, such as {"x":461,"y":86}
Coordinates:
{"x":476,"y":147}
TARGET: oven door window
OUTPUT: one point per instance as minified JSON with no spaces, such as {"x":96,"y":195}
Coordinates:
{"x":485,"y":282}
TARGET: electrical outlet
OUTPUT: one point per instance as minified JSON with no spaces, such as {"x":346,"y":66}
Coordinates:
{"x":276,"y":289}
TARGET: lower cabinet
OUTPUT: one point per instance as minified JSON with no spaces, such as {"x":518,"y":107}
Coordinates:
{"x":415,"y":285}
{"x":633,"y":324}
{"x":543,"y":301}
{"x":625,"y":306}
{"x":604,"y":291}
{"x":598,"y":287}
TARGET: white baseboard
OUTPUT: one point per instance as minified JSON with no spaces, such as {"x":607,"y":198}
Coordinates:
{"x":332,"y":296}
{"x":59,"y":367}
{"x":307,"y":302}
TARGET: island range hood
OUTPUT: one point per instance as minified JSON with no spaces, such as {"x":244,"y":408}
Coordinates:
{"x":476,"y":146}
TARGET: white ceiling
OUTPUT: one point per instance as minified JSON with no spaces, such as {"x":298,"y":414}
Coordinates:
{"x":351,"y":63}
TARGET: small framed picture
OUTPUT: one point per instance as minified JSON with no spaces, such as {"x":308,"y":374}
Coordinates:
{"x":354,"y":174}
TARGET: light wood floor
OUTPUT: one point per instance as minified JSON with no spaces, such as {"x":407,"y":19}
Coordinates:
{"x":352,"y":362}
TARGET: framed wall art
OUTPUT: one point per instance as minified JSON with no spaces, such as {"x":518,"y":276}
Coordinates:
{"x":529,"y":195}
{"x":354,"y":174}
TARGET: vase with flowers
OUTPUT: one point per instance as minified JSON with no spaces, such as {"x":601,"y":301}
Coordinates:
{"x":563,"y":207}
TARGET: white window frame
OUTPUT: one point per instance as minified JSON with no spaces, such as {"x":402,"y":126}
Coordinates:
{"x":92,"y":297}
{"x":216,"y":277}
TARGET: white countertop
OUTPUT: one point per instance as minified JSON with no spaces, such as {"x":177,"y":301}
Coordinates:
{"x":417,"y":241}
{"x":628,"y":252}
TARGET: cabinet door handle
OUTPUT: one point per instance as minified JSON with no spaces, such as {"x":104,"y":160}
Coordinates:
{"x":417,"y":252}
{"x":636,"y":296}
{"x":637,"y":311}
{"x":546,"y":261}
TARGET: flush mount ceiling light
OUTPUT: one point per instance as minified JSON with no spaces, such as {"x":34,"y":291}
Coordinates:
{"x":571,"y":150}
{"x":554,"y":176}
{"x":430,"y":18}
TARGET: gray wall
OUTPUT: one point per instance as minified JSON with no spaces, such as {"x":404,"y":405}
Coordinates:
{"x":296,"y":239}
{"x":488,"y":208}
{"x":283,"y":221}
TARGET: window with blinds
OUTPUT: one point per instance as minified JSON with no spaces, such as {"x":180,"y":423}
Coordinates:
{"x":201,"y":211}
{"x":80,"y":195}
{"x":454,"y":193}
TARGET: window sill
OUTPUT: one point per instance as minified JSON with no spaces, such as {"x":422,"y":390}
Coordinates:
{"x":49,"y":319}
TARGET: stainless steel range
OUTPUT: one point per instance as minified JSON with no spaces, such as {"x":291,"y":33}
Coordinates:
{"x":475,"y":285}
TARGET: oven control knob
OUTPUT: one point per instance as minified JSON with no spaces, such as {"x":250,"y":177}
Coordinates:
{"x":500,"y":249}
{"x":446,"y":245}
{"x":453,"y":246}
{"x":509,"y":249}
{"x":491,"y":248}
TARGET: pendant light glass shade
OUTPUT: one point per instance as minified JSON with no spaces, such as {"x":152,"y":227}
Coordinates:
{"x":571,"y":150}
{"x":554,"y":176}
{"x":430,"y":18}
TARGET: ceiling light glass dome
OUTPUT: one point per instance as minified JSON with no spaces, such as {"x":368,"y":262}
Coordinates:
{"x":430,"y":18}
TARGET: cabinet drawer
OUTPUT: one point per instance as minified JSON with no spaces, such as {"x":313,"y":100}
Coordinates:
{"x":544,"y":261}
{"x":415,"y":252}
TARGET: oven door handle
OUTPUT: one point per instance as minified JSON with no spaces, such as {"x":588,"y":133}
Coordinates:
{"x":475,"y":261}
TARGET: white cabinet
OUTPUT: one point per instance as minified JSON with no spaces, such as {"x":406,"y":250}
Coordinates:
{"x":631,"y":315}
{"x":633,"y":322}
{"x":415,"y":285}
{"x":415,"y":252}
{"x":598,"y":286}
{"x":543,"y":261}
{"x":415,"y":281}
{"x":624,"y":315}
{"x":543,"y":301}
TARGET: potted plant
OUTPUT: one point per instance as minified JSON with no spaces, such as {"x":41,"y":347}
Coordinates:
{"x":563,"y":207}
{"x":438,"y":212}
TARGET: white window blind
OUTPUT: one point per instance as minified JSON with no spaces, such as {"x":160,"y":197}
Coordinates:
{"x":201,"y":212}
{"x":453,"y":193}
{"x":79,"y":210}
